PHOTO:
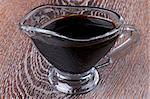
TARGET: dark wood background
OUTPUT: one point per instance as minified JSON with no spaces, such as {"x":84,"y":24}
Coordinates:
{"x":23,"y":72}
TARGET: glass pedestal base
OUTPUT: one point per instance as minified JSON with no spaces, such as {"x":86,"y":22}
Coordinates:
{"x":74,"y":83}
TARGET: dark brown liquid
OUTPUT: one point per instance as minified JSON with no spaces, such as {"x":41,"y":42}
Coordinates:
{"x":76,"y":57}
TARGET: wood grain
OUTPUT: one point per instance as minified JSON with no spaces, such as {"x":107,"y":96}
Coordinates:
{"x":23,"y":71}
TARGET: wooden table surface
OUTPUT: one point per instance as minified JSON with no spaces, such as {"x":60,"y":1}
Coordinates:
{"x":23,"y":72}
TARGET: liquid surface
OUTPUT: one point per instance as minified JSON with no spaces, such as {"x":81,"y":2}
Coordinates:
{"x":81,"y":27}
{"x":70,"y":57}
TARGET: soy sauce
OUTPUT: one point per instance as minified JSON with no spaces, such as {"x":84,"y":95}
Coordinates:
{"x":76,"y":57}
